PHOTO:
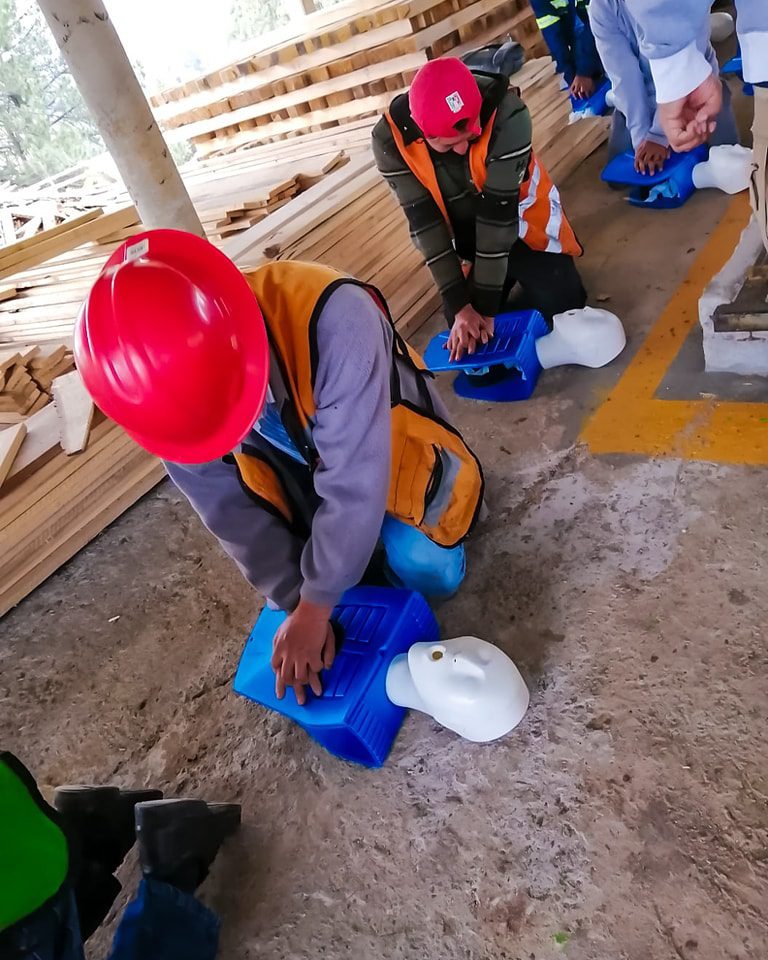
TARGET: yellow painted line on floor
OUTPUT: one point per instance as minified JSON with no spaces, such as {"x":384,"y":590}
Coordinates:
{"x":632,"y":420}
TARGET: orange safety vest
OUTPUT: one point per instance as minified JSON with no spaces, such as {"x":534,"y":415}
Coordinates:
{"x":543,"y":223}
{"x":436,"y":482}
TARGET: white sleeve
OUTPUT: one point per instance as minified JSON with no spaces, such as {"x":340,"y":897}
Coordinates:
{"x":752,"y":27}
{"x":677,"y":75}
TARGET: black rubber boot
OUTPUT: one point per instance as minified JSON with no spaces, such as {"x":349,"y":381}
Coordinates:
{"x":99,"y":824}
{"x":101,"y":820}
{"x":179,"y":839}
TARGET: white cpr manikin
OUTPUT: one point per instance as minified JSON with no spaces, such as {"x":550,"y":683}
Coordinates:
{"x":588,"y":337}
{"x":467,"y":684}
{"x":721,"y":26}
{"x":727,"y":169}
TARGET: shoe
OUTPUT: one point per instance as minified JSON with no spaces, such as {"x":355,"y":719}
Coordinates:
{"x":99,"y":825}
{"x":179,"y":839}
{"x":99,"y":820}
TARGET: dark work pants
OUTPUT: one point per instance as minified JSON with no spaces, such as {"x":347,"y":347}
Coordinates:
{"x":548,"y":282}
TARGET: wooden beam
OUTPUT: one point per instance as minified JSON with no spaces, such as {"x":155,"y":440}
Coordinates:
{"x":74,"y":409}
{"x":92,"y":229}
{"x":11,"y":440}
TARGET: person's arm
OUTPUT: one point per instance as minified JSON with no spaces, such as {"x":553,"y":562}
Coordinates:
{"x":554,"y":23}
{"x":352,"y":438}
{"x":263,"y":547}
{"x":668,"y":32}
{"x":497,"y":224}
{"x":585,"y":53}
{"x":622,"y":65}
{"x":428,"y":229}
{"x":752,"y":28}
{"x":351,"y":434}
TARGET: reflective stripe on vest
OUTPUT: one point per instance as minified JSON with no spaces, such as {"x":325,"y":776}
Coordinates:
{"x":549,"y":21}
{"x":543,"y":225}
{"x":436,"y":483}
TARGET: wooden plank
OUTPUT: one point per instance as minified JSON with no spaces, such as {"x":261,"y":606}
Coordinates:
{"x":301,"y":64}
{"x":62,"y":228}
{"x":243,"y":249}
{"x":372,"y":104}
{"x":11,"y":440}
{"x":221,"y":124}
{"x":74,"y":409}
{"x":42,"y":438}
{"x":46,"y":249}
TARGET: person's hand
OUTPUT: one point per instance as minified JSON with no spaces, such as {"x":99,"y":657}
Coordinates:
{"x":689,"y":121}
{"x":582,"y":87}
{"x":468,"y":327}
{"x":650,"y":157}
{"x":303,"y":646}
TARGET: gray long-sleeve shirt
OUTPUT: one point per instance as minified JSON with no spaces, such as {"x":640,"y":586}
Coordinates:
{"x":671,"y":34}
{"x":351,"y":433}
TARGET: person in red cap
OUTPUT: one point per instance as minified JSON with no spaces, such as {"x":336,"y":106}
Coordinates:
{"x":302,"y":429}
{"x":456,"y":151}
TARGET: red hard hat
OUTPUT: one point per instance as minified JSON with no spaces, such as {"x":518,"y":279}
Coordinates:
{"x":171,"y":344}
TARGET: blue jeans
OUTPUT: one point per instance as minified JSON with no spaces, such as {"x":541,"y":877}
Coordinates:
{"x":161,"y":923}
{"x":416,"y":563}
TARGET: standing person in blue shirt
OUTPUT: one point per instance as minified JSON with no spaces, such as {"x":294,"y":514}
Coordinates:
{"x":636,"y":124}
{"x":689,"y":93}
{"x":565,"y":27}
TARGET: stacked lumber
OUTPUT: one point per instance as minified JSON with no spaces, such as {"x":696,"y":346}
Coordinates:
{"x":52,"y":504}
{"x":253,"y":207}
{"x":26,"y":379}
{"x":336,"y":71}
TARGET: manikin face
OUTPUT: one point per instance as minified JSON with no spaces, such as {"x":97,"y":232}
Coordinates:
{"x":469,"y":686}
{"x":588,"y":337}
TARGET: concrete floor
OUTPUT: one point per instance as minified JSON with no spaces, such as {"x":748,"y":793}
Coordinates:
{"x":627,"y":816}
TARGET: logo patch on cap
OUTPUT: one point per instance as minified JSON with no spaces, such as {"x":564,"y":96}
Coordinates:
{"x":454,"y":101}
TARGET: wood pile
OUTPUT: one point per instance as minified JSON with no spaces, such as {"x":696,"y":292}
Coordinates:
{"x":336,"y":71}
{"x":26,"y":379}
{"x":52,"y":504}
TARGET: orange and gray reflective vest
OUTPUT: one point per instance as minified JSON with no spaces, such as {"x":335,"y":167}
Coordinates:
{"x":436,"y":482}
{"x":543,"y":224}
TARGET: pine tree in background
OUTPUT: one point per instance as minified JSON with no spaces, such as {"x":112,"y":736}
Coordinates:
{"x":251,"y":18}
{"x":44,"y":125}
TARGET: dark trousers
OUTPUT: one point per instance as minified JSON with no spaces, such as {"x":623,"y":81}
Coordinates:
{"x":161,"y":923}
{"x":548,"y":282}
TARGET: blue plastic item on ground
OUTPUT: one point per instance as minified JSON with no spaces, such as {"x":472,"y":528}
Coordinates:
{"x":735,"y":65}
{"x":353,"y":719}
{"x":513,"y":346}
{"x":667,"y":189}
{"x":594,"y":106}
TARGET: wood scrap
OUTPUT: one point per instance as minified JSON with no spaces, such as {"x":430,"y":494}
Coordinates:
{"x":11,"y":439}
{"x":74,"y":409}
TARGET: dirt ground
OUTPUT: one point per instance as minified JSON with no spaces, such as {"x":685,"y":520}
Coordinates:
{"x":625,"y":819}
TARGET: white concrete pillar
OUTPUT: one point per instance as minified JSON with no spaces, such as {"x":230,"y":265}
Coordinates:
{"x":99,"y":66}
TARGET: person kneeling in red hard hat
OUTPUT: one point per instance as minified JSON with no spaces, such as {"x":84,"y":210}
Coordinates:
{"x":300,"y":426}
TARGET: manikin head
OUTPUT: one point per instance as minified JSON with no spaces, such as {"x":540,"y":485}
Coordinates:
{"x":587,"y":337}
{"x":467,"y":684}
{"x":445,"y":102}
{"x":728,"y":169}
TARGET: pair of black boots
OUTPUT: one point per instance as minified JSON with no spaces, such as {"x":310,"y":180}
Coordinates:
{"x":178,"y":841}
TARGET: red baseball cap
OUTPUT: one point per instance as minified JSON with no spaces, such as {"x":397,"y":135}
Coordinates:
{"x":442,"y":94}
